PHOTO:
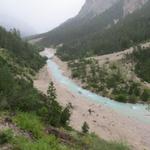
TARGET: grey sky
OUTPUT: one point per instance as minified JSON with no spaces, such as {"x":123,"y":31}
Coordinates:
{"x":42,"y":15}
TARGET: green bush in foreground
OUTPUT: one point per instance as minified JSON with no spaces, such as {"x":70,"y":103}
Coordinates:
{"x":146,"y":95}
{"x":31,"y":123}
{"x":5,"y":136}
{"x":45,"y":143}
{"x":121,"y":98}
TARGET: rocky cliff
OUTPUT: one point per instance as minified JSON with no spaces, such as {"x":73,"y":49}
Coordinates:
{"x":92,"y":8}
{"x":131,"y":5}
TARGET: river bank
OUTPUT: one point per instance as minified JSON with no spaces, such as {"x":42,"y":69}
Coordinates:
{"x":104,"y":121}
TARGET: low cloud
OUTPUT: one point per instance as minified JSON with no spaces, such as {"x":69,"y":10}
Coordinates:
{"x":41,"y":15}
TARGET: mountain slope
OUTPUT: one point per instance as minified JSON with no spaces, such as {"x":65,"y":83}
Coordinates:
{"x":27,"y":55}
{"x":84,"y":23}
{"x":101,"y":27}
{"x":19,"y":61}
{"x":129,"y":31}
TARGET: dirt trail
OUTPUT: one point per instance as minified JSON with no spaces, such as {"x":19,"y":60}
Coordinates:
{"x":104,"y":121}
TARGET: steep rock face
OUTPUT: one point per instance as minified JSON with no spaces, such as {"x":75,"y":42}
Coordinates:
{"x":92,"y":8}
{"x":131,"y":5}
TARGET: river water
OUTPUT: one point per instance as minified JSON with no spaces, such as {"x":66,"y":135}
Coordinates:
{"x":136,"y":111}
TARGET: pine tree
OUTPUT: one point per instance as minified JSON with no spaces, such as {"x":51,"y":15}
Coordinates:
{"x":55,"y":110}
{"x":85,"y":127}
{"x":65,"y":115}
{"x":51,"y":93}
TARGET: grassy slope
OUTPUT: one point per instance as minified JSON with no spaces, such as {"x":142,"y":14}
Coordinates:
{"x":32,"y":136}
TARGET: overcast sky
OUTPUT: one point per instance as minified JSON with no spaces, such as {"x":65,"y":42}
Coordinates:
{"x":42,"y":15}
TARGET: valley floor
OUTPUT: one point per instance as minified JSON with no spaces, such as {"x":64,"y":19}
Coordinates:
{"x":104,"y":121}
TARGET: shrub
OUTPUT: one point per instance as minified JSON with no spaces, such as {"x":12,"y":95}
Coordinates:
{"x":121,"y":98}
{"x":56,"y":116}
{"x":133,"y":99}
{"x":92,"y":142}
{"x":146,"y":95}
{"x":85,"y":127}
{"x":5,"y":136}
{"x":65,"y":116}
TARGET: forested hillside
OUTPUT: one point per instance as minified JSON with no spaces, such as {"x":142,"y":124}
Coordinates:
{"x":26,"y":115}
{"x":26,"y":55}
{"x":129,"y":31}
{"x":19,"y":61}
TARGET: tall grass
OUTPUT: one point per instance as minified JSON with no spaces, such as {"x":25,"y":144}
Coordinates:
{"x":31,"y":123}
{"x":45,"y":143}
{"x":41,"y":141}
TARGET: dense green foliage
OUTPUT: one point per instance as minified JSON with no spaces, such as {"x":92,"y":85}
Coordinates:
{"x":18,"y":63}
{"x":129,"y":31}
{"x":5,"y":136}
{"x":52,"y":112}
{"x":21,"y":95}
{"x":142,"y":60}
{"x":36,"y":128}
{"x":32,"y":125}
{"x":85,"y":127}
{"x":146,"y":95}
{"x":17,"y":93}
{"x":48,"y":143}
